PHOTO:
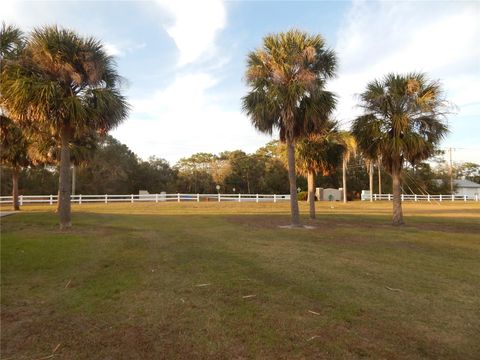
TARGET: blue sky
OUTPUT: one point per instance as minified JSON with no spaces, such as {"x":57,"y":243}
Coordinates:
{"x":185,"y":60}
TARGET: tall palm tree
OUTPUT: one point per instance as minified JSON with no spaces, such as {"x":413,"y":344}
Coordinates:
{"x":14,"y":144}
{"x":287,"y":79}
{"x":349,"y":145}
{"x":13,"y":153}
{"x":67,"y":84}
{"x":403,"y":121}
{"x":319,"y":153}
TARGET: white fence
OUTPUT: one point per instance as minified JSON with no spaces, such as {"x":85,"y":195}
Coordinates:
{"x":132,"y":198}
{"x":415,"y":197}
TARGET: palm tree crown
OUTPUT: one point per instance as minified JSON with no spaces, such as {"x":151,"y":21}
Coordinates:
{"x":64,"y":80}
{"x":287,"y":78}
{"x":319,"y":153}
{"x":403,"y":119}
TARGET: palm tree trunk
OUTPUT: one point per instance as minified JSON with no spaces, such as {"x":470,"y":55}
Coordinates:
{"x":370,"y":177}
{"x":397,"y":199}
{"x":15,"y":172}
{"x":64,"y":206}
{"x":344,"y":179}
{"x":311,"y":193}
{"x":293,"y":183}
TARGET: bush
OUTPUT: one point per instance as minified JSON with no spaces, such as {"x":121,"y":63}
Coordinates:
{"x":303,"y":196}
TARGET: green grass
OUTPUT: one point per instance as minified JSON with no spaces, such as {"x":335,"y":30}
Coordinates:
{"x":123,"y":284}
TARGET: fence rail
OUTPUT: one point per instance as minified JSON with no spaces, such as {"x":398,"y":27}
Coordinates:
{"x":132,"y":198}
{"x":416,"y":197}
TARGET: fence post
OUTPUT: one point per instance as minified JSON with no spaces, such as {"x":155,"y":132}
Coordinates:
{"x":198,"y":197}
{"x":80,"y":198}
{"x":239,"y":197}
{"x":465,"y":198}
{"x":274,"y":198}
{"x":440,"y":197}
{"x":476,"y":197}
{"x":415,"y":197}
{"x":156,"y":198}
{"x":389,"y":197}
{"x":218,"y":197}
{"x":428,"y":197}
{"x":402,"y":197}
{"x":256,"y":198}
{"x":131,"y":198}
{"x":51,"y":199}
{"x":106,"y":199}
{"x":21,"y":199}
{"x":453,"y":197}
{"x":178,"y":197}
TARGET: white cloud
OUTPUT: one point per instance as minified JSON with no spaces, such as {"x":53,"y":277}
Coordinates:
{"x":195,"y":24}
{"x":113,"y":50}
{"x":378,"y":38}
{"x":122,"y":49}
{"x":185,"y":118}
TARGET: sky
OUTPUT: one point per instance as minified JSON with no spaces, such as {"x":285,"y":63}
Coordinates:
{"x":184,"y":61}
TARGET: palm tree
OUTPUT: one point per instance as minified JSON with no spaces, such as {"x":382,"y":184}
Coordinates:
{"x":14,"y":144}
{"x":349,"y":145}
{"x":287,"y":79}
{"x":13,"y":152}
{"x":69,"y":85}
{"x":402,"y":121}
{"x":318,"y":153}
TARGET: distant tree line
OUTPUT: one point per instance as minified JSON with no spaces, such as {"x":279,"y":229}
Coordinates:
{"x":113,"y":168}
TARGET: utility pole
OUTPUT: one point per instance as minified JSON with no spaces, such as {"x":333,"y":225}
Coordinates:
{"x":73,"y":179}
{"x":370,"y":177}
{"x":380,"y":176}
{"x":344,"y":179}
{"x":451,"y":171}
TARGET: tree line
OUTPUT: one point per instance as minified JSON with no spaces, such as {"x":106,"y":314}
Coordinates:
{"x":112,"y":168}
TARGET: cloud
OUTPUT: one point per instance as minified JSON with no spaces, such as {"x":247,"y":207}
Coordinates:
{"x":186,"y":117}
{"x":121,"y":50}
{"x":195,"y":24}
{"x":378,"y":38}
{"x":112,"y":49}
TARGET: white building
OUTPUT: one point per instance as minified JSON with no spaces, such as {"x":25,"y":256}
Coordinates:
{"x":467,"y":187}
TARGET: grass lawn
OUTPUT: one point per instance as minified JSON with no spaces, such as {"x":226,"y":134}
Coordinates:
{"x":222,"y":281}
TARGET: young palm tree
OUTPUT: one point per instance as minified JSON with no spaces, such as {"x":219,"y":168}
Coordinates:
{"x":403,"y":121}
{"x":318,"y":153}
{"x":349,"y":145}
{"x":287,"y":79}
{"x":68,"y":85}
{"x":13,"y":153}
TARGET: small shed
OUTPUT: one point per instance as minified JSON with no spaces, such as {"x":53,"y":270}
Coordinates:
{"x":466,"y":187}
{"x":329,"y":194}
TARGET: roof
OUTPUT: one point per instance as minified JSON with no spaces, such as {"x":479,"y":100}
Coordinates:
{"x":463,"y":183}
